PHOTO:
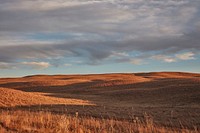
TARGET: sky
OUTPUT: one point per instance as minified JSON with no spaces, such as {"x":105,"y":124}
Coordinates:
{"x":98,"y":36}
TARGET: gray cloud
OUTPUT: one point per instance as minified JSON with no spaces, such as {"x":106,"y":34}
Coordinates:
{"x":98,"y":28}
{"x":96,"y":51}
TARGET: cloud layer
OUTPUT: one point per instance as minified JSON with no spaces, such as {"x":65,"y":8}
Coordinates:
{"x":39,"y":33}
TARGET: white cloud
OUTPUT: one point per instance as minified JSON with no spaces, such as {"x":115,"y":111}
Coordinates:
{"x":119,"y":54}
{"x":36,"y":65}
{"x":169,"y":60}
{"x":28,"y":65}
{"x":136,"y":61}
{"x":164,"y":58}
{"x":67,"y":65}
{"x":42,"y":4}
{"x":4,"y":65}
{"x":177,"y":57}
{"x":185,"y":56}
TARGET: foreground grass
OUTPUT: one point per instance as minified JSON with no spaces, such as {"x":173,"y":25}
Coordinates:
{"x":46,"y":122}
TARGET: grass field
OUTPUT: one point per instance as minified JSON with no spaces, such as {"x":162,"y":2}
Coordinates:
{"x":138,"y":102}
{"x":26,"y":121}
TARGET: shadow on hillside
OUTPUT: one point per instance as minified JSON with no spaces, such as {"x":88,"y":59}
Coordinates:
{"x":75,"y":87}
{"x":171,"y":90}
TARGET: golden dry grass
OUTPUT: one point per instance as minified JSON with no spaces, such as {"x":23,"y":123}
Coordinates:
{"x":10,"y":97}
{"x":46,"y":122}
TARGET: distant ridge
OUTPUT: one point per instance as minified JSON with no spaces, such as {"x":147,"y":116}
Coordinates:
{"x":162,"y":73}
{"x":169,"y":74}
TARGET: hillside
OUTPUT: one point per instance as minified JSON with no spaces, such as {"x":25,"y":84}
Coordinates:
{"x":164,"y":88}
{"x":10,"y":97}
{"x":172,"y":95}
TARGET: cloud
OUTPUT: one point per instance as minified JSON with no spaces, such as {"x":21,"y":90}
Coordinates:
{"x":26,"y":65}
{"x":175,"y":58}
{"x":4,"y":65}
{"x":67,"y":64}
{"x":164,"y":58}
{"x":98,"y":31}
{"x":119,"y":54}
{"x":98,"y":17}
{"x":136,"y":61}
{"x":36,"y":65}
{"x":186,"y":56}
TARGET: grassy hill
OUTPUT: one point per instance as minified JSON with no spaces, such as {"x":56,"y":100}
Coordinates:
{"x":167,"y":97}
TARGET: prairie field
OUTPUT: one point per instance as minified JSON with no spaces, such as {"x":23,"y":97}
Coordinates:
{"x":123,"y":102}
